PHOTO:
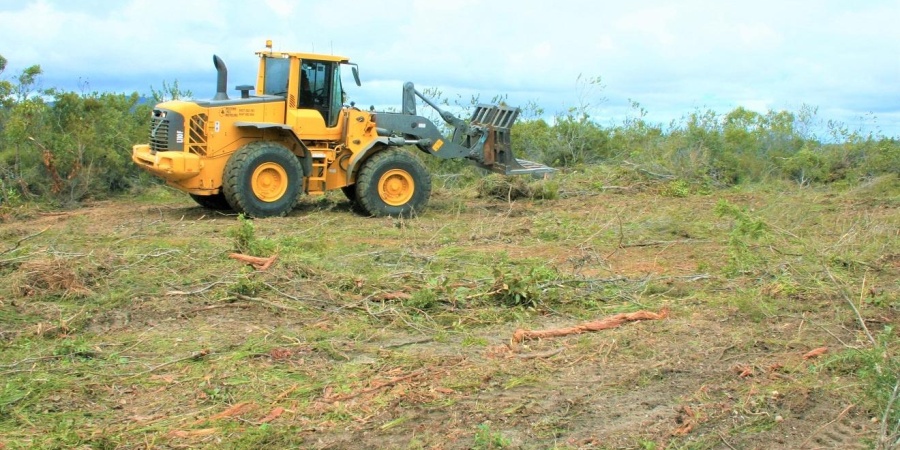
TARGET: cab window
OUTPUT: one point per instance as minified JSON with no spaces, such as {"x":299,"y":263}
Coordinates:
{"x":277,"y":71}
{"x":317,"y":85}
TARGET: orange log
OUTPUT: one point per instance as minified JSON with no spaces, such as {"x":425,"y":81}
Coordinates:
{"x":255,"y":261}
{"x":815,"y":353}
{"x":597,"y":325}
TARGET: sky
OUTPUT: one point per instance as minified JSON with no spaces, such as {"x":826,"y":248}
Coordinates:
{"x":666,"y":58}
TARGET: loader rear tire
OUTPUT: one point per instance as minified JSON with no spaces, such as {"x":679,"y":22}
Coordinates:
{"x":215,"y":202}
{"x":262,"y":179}
{"x":393,"y":183}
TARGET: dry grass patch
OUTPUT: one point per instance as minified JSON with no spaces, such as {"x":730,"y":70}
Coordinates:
{"x":49,"y":277}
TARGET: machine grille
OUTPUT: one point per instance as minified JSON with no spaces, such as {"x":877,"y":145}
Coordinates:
{"x":197,"y":135}
{"x":159,"y":131}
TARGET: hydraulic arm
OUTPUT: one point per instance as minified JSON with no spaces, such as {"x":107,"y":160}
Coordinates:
{"x":484,"y":139}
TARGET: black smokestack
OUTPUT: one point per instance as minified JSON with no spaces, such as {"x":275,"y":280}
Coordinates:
{"x":221,"y":80}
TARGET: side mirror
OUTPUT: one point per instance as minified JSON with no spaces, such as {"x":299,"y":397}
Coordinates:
{"x":355,"y":70}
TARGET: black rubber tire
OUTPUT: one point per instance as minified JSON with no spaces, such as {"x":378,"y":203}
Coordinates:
{"x":350,"y":192}
{"x":280,"y":167}
{"x":415,"y":185}
{"x":215,"y":202}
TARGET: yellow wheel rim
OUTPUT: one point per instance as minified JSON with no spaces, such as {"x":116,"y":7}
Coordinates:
{"x":269,"y":182}
{"x":396,"y":187}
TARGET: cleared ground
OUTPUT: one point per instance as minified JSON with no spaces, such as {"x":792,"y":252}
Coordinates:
{"x":125,"y":324}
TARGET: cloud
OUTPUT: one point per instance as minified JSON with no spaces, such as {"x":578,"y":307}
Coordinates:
{"x":283,"y":7}
{"x":758,"y":36}
{"x":672,"y":58}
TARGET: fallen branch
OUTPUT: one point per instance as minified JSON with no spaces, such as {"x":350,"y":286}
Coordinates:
{"x":722,"y":437}
{"x":815,"y":353}
{"x":196,"y":291}
{"x":284,"y":394}
{"x":597,"y":325}
{"x":375,"y":387}
{"x":395,"y":296}
{"x":743,"y":371}
{"x":843,"y":291}
{"x":31,"y":360}
{"x":257,"y":262}
{"x":192,"y":433}
{"x":306,"y":299}
{"x":231,"y":411}
{"x":405,"y":343}
{"x":887,"y":438}
{"x":265,"y":302}
{"x":535,"y":355}
{"x":821,"y":428}
{"x":638,"y":168}
{"x":20,"y":241}
{"x":274,"y":414}
{"x":219,"y":305}
{"x":687,"y":420}
{"x":658,"y":243}
{"x":196,"y":356}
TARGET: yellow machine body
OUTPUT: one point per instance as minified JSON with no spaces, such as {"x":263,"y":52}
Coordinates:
{"x":214,"y":130}
{"x":293,"y":135}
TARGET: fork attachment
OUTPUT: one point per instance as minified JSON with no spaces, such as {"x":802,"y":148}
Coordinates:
{"x":484,"y":140}
{"x":494,"y":124}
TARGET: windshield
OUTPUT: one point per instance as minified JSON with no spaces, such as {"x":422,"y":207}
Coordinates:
{"x":277,"y":70}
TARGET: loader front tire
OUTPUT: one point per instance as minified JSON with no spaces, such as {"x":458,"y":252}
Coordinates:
{"x":262,"y":179}
{"x":215,"y":202}
{"x":393,"y":183}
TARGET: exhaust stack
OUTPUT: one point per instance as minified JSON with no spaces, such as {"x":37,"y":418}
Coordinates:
{"x":222,"y":78}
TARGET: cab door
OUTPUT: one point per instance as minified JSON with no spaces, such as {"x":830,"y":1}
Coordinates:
{"x":319,"y":102}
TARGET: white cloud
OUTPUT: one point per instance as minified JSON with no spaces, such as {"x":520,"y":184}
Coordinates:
{"x":671,"y":57}
{"x":652,"y":24}
{"x":285,"y":7}
{"x":758,"y":36}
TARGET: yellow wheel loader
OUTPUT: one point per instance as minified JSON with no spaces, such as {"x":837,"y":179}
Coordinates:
{"x":258,"y":153}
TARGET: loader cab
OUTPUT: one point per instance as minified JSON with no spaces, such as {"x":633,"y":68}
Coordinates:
{"x":311,"y":86}
{"x":320,"y":89}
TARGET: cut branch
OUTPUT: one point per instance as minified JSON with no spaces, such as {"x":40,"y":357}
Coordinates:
{"x":859,"y":318}
{"x":375,"y":387}
{"x":818,"y":431}
{"x":658,"y":243}
{"x":20,"y":241}
{"x":597,"y":325}
{"x":535,"y":355}
{"x":193,"y":356}
{"x":257,"y":262}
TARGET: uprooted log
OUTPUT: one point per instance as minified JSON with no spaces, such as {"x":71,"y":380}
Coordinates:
{"x":257,"y":262}
{"x":815,"y":353}
{"x":610,"y":322}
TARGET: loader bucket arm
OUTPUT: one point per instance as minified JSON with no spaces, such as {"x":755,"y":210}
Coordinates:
{"x":483,"y":140}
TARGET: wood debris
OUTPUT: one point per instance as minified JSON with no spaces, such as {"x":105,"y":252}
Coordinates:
{"x":257,"y":262}
{"x":815,"y":353}
{"x":610,"y":322}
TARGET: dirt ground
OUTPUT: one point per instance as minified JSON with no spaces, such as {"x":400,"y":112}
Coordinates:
{"x":338,"y":345}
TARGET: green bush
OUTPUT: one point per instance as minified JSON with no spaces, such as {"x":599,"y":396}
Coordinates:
{"x":62,"y":147}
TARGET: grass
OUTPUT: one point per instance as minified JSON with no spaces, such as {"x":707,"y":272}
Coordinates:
{"x":126,"y":325}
